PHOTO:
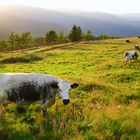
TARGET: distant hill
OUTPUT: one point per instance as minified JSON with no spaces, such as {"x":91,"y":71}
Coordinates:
{"x":133,"y":17}
{"x":39,"y":21}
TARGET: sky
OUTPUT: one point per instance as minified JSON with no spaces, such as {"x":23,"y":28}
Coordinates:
{"x":107,"y":6}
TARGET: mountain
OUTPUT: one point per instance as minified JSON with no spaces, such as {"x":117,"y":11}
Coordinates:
{"x":133,"y":17}
{"x":19,"y":19}
{"x":39,"y":21}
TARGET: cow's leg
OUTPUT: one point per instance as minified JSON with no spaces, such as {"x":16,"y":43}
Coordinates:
{"x":136,"y":58}
{"x":4,"y":103}
{"x":44,"y":107}
{"x":1,"y":110}
{"x":126,"y":60}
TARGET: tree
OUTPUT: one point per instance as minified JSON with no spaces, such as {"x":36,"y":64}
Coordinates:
{"x":12,"y":40}
{"x":88,"y":36}
{"x":79,"y":30}
{"x":51,"y":37}
{"x":38,"y":41}
{"x":4,"y":45}
{"x":75,"y":33}
{"x":62,"y":38}
{"x":18,"y":41}
{"x":25,"y":40}
{"x":104,"y":36}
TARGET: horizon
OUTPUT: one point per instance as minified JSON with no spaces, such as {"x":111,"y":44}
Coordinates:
{"x":108,"y":6}
{"x":37,"y":20}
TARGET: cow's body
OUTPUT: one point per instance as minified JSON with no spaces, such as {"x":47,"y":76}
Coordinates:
{"x":130,"y":55}
{"x":127,"y":41}
{"x":28,"y":88}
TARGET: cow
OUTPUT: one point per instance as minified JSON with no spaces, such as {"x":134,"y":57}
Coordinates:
{"x":29,"y":88}
{"x":136,"y":47}
{"x":130,"y":55}
{"x":127,"y":41}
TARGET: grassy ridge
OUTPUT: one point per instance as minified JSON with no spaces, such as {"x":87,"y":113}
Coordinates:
{"x":106,"y":105}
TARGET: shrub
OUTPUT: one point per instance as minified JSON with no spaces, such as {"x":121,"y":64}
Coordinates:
{"x":21,"y":59}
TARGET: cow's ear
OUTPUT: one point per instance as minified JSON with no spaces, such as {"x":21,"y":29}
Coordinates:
{"x":75,"y":85}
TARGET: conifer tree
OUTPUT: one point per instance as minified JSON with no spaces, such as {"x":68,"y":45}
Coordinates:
{"x":75,"y":33}
{"x":51,"y":37}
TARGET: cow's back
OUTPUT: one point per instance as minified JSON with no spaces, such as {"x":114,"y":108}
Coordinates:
{"x":24,"y":86}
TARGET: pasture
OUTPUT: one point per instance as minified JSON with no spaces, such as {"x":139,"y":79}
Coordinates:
{"x":106,"y":105}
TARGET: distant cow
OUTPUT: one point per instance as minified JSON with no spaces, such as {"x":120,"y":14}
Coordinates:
{"x":136,"y":47}
{"x":130,"y":55}
{"x":28,"y":88}
{"x":127,"y":41}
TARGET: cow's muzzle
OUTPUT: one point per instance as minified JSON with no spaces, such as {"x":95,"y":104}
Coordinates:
{"x":66,"y":101}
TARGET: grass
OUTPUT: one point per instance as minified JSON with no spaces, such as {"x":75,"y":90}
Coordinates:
{"x":20,"y":59}
{"x":106,"y":105}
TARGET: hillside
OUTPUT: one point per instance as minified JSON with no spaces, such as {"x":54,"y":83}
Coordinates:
{"x":39,"y":21}
{"x":106,"y":105}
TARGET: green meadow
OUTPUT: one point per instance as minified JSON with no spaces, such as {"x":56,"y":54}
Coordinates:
{"x":105,"y":106}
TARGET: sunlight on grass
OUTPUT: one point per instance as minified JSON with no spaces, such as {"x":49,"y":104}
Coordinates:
{"x":106,"y":105}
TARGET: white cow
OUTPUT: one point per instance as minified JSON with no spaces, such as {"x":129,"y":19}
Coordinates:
{"x":130,"y":55}
{"x":28,"y":88}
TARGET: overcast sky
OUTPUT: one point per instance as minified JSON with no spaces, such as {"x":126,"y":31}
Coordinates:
{"x":108,"y":6}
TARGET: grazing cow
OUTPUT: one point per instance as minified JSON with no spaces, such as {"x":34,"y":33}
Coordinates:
{"x":28,"y":88}
{"x":127,"y":41}
{"x":136,"y":47}
{"x":130,"y":55}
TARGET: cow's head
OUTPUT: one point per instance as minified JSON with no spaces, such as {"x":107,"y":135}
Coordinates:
{"x":135,"y":56}
{"x":65,"y":87}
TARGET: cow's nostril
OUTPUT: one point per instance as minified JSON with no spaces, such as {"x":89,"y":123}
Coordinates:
{"x":66,"y":101}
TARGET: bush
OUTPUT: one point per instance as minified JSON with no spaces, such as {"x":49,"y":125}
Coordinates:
{"x":21,"y":59}
{"x":104,"y":36}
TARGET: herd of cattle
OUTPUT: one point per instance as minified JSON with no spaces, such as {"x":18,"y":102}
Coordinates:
{"x":132,"y":55}
{"x":28,"y":87}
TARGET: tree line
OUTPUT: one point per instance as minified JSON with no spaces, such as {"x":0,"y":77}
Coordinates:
{"x":25,"y":39}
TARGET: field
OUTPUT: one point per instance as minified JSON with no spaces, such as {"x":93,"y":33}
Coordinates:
{"x":106,"y":105}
